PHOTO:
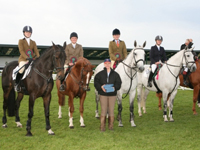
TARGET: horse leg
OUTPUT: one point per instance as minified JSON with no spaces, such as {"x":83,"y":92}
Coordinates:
{"x":18,"y":101}
{"x":139,"y":96}
{"x":46,"y":101}
{"x":61,"y":102}
{"x":198,"y":100}
{"x":71,"y":110}
{"x":195,"y":97}
{"x":165,"y":94}
{"x":144,"y":98}
{"x":171,"y":101}
{"x":97,"y":102}
{"x":119,"y":117}
{"x":82,"y":99}
{"x":30,"y":115}
{"x":6,"y":94}
{"x":131,"y":100}
{"x":159,"y":95}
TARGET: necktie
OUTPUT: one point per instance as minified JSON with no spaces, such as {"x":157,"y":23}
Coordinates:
{"x":117,"y":43}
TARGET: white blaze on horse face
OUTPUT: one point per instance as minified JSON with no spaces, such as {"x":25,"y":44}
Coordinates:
{"x":87,"y":80}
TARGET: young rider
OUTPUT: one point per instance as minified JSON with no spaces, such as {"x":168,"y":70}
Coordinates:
{"x":157,"y":56}
{"x":117,"y":48}
{"x":73,"y":52}
{"x":28,"y":51}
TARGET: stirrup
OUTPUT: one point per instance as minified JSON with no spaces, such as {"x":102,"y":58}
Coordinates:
{"x":149,"y":84}
{"x":62,"y":87}
{"x":17,"y":88}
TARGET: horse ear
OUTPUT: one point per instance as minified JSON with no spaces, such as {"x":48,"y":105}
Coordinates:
{"x":144,"y":44}
{"x":64,"y":45}
{"x":135,"y":43}
{"x":54,"y":46}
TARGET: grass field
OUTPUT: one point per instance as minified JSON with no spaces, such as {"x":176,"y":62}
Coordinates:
{"x":151,"y":131}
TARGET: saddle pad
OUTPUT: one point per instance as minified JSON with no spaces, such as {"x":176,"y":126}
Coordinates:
{"x":16,"y":70}
{"x":146,"y":73}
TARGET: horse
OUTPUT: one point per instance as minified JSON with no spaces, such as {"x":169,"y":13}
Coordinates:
{"x":194,"y":83}
{"x":38,"y":83}
{"x":77,"y":83}
{"x":127,"y":70}
{"x":167,"y":82}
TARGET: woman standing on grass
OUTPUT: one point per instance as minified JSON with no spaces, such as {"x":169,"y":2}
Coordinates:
{"x":107,"y":82}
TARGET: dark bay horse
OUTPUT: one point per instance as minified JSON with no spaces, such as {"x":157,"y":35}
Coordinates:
{"x":194,"y":83}
{"x":77,"y":83}
{"x":38,"y":83}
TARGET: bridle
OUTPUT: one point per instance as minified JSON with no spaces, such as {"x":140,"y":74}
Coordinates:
{"x":187,"y":62}
{"x":57,"y":69}
{"x":131,"y":76}
{"x":81,"y":82}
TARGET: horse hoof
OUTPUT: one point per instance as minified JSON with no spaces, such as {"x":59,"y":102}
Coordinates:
{"x":59,"y":117}
{"x":29,"y":134}
{"x":194,"y":113}
{"x":198,"y":104}
{"x":50,"y":132}
{"x":160,"y":108}
{"x":120,"y":125}
{"x":19,"y":126}
{"x":71,"y":127}
{"x":165,"y":120}
{"x":140,"y":115}
{"x":4,"y":126}
{"x":171,"y":120}
{"x":83,"y":126}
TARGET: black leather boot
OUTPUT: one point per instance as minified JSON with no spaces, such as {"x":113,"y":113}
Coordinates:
{"x":150,"y":79}
{"x":17,"y":82}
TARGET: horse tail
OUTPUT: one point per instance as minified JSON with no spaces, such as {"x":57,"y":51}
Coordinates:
{"x":11,"y":103}
{"x":61,"y":100}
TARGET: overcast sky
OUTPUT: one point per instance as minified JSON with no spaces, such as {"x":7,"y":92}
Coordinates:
{"x":94,"y":20}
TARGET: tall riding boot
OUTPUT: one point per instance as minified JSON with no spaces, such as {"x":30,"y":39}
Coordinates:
{"x":63,"y":83}
{"x":150,"y":79}
{"x":103,"y":123}
{"x":17,"y":82}
{"x":111,"y":122}
{"x":185,"y":78}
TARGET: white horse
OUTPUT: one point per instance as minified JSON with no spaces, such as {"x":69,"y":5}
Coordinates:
{"x":167,"y":82}
{"x":127,"y":70}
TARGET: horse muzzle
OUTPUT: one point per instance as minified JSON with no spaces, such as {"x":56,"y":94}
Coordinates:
{"x":193,"y":68}
{"x":141,"y":69}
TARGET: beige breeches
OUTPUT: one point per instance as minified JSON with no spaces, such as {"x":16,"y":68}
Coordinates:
{"x":107,"y":104}
{"x":21,"y":63}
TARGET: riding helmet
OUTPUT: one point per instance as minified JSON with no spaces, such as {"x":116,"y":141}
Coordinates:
{"x":116,"y":32}
{"x":159,"y":37}
{"x":27,"y":29}
{"x":73,"y":34}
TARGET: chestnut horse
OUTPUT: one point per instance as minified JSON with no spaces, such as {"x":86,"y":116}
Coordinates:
{"x":194,"y":83}
{"x":38,"y":83}
{"x":77,"y":83}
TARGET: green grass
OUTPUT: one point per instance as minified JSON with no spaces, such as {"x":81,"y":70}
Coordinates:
{"x":151,"y":131}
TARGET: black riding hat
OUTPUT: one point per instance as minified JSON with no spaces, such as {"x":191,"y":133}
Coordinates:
{"x":116,"y":32}
{"x":159,"y":37}
{"x":27,"y":29}
{"x":73,"y":34}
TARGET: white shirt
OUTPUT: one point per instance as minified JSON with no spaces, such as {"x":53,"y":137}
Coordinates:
{"x":74,"y":45}
{"x":108,"y":76}
{"x":158,"y":47}
{"x":116,"y":41}
{"x":28,"y":40}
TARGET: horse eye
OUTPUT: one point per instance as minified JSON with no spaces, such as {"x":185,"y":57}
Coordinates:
{"x":188,"y":55}
{"x":135,"y":53}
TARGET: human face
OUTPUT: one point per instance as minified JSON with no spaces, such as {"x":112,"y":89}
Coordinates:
{"x":74,"y":40}
{"x":27,"y":34}
{"x":107,"y":65}
{"x":158,"y":42}
{"x":187,"y":42}
{"x":116,"y":37}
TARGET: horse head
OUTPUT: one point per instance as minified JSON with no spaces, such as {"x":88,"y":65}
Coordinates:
{"x":59,"y":60}
{"x":139,"y":56}
{"x":86,"y":71}
{"x":188,"y":59}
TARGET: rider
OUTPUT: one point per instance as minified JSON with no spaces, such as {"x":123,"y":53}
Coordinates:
{"x":117,"y":48}
{"x":157,"y":56}
{"x":28,"y":51}
{"x":73,"y":52}
{"x":188,"y":44}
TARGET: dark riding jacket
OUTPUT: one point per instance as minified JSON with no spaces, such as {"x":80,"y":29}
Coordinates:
{"x":183,"y":46}
{"x":157,"y":55}
{"x":101,"y":79}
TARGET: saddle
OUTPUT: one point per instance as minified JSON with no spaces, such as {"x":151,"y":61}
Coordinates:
{"x":157,"y":77}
